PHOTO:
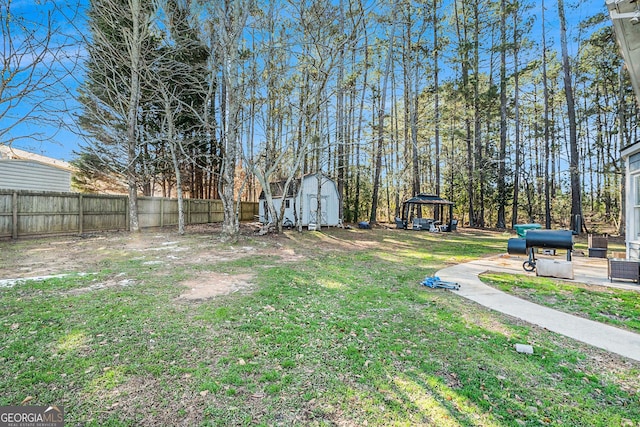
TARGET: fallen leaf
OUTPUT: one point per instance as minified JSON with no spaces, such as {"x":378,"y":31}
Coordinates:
{"x":203,"y":393}
{"x":27,"y":400}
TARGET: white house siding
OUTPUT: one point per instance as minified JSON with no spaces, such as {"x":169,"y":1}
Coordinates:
{"x":631,"y":157}
{"x":34,"y":176}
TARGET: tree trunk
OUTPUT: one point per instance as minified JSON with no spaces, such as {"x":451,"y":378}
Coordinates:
{"x":436,"y":96}
{"x":477,"y":129}
{"x":461,"y":31}
{"x":545,"y":84}
{"x":516,"y":109}
{"x":170,"y":129}
{"x":502,"y":191}
{"x":233,"y":18}
{"x":380,"y":136}
{"x":135,"y":54}
{"x":340,"y":122}
{"x":574,"y":171}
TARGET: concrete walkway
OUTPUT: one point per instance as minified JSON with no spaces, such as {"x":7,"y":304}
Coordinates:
{"x":586,"y":270}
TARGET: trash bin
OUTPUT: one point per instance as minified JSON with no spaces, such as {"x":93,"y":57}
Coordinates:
{"x":521,"y":229}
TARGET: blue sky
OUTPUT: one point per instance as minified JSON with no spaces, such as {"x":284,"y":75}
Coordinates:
{"x":60,"y":142}
{"x":54,"y":105}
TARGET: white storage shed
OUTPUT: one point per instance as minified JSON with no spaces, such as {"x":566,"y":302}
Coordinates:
{"x":304,"y":204}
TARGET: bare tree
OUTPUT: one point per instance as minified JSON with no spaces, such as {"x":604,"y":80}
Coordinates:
{"x":177,"y":81}
{"x":502,"y":191}
{"x":120,"y":49}
{"x":380,"y":125}
{"x":574,"y":171}
{"x":228,"y":21}
{"x":547,"y":136}
{"x":38,"y":60}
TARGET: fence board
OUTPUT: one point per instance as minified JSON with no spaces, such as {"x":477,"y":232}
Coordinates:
{"x":29,"y":213}
{"x":6,"y":214}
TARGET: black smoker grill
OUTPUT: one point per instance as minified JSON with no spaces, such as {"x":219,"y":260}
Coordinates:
{"x":545,"y":239}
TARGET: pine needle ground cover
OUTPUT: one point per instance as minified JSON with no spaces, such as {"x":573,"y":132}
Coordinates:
{"x":314,"y":329}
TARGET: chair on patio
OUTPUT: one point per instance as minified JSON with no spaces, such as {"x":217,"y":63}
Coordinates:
{"x":400,"y":223}
{"x":625,"y":269}
{"x":598,"y":246}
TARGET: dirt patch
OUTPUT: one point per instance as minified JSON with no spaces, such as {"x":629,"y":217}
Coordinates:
{"x":145,"y":400}
{"x":209,"y":285}
{"x":116,"y":282}
{"x":71,"y":254}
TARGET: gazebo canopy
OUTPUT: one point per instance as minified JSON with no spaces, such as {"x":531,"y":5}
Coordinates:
{"x":414,"y":206}
{"x":427,"y":199}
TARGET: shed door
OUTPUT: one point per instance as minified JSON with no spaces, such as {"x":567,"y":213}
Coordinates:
{"x":313,"y":207}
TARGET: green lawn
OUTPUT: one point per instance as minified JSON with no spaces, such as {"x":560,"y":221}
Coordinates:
{"x":335,"y":330}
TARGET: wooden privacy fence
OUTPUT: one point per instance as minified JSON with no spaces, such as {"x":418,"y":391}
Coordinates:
{"x":28,"y":213}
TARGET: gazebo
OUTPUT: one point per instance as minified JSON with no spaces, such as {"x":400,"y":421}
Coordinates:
{"x":427,"y":212}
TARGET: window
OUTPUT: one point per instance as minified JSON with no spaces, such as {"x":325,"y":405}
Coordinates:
{"x":634,"y":162}
{"x":636,"y":205}
{"x":286,"y":203}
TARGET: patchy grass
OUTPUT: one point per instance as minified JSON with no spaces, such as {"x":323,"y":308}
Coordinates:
{"x":339,"y":334}
{"x":617,"y":307}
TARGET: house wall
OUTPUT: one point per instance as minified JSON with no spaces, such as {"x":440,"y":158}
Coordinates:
{"x":631,"y":157}
{"x":34,"y":176}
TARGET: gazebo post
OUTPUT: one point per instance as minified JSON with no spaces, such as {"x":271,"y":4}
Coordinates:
{"x":450,"y":217}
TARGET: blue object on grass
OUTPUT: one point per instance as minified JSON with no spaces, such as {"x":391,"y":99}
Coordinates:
{"x":435,"y":282}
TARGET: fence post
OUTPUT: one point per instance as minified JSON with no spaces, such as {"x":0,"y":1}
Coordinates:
{"x":126,"y":213}
{"x":14,"y":210}
{"x":80,"y":215}
{"x":162,"y":212}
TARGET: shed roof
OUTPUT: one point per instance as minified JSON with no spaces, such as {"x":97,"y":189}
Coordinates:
{"x":277,"y":187}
